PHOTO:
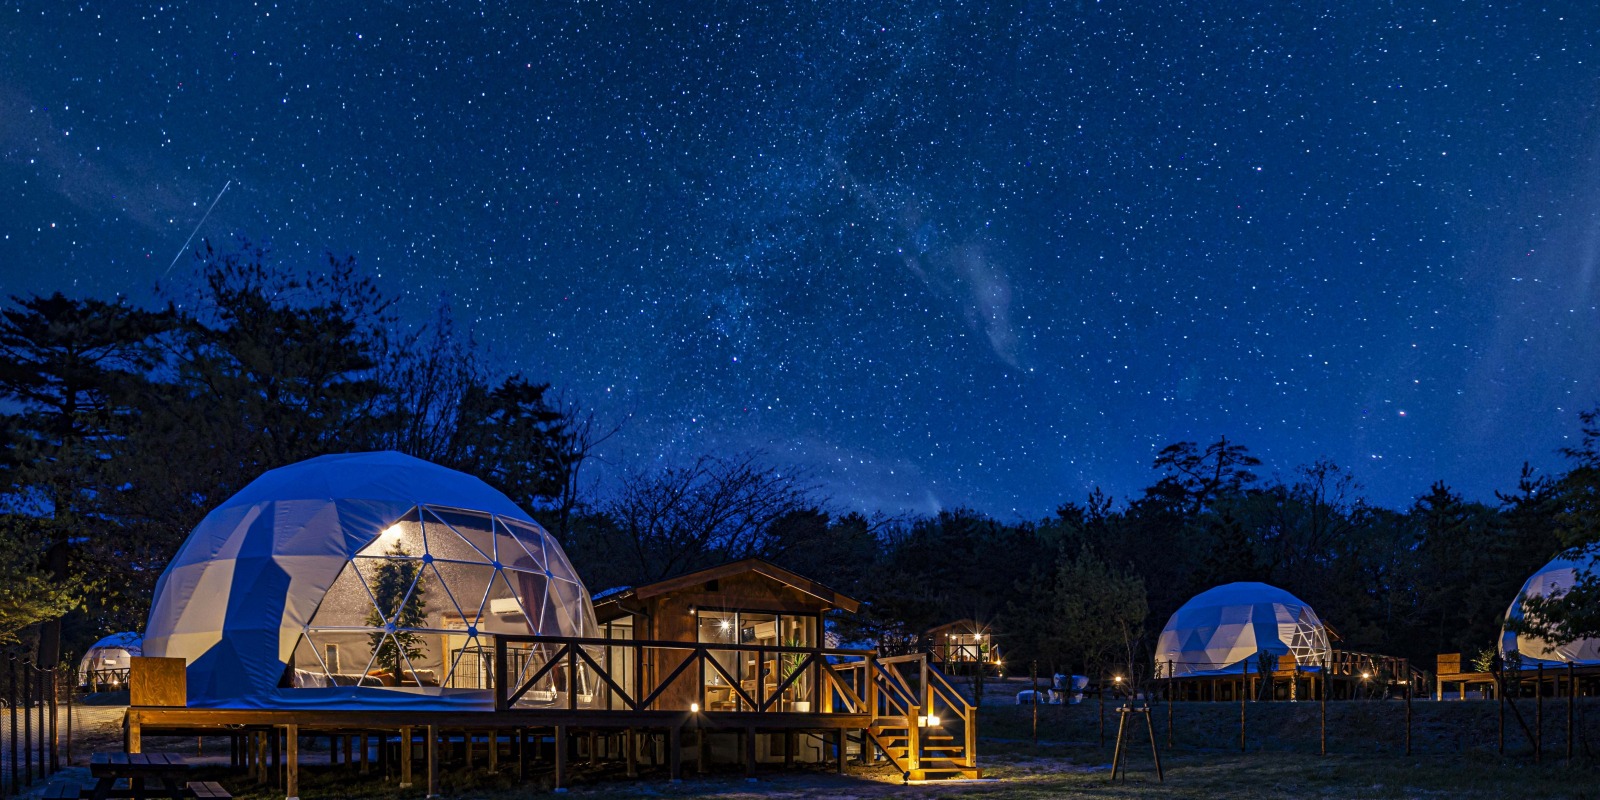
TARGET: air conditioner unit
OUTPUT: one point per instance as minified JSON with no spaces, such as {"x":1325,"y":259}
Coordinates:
{"x":505,"y":605}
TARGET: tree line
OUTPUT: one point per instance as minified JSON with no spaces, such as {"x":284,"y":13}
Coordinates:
{"x":122,"y":426}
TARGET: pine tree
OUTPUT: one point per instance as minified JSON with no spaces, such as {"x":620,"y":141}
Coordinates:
{"x":397,"y":584}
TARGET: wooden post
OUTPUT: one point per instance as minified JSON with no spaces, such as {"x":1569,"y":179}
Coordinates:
{"x":872,"y":688}
{"x":1500,"y":700}
{"x":276,"y":746}
{"x":1572,"y":707}
{"x":561,"y":758}
{"x":1155,"y":753}
{"x":675,"y":753}
{"x":405,"y":757}
{"x":135,"y":737}
{"x":1405,"y":669}
{"x":291,"y":756}
{"x":1171,"y":686}
{"x":702,"y":749}
{"x":1538,"y":713}
{"x":1322,"y":701}
{"x":1033,"y":684}
{"x":521,"y":751}
{"x":432,"y":751}
{"x":748,"y":737}
{"x":366,"y":759}
{"x":263,"y":768}
{"x":1244,"y":684}
{"x":494,"y":751}
{"x":630,"y":747}
{"x":789,"y":742}
{"x":839,"y":739}
{"x":1116,"y":751}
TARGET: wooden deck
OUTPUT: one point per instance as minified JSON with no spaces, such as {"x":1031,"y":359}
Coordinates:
{"x":902,"y":709}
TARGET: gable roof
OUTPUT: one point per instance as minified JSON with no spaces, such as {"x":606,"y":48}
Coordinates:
{"x":758,"y":566}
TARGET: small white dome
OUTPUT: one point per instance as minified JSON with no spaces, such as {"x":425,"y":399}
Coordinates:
{"x":1219,"y":629}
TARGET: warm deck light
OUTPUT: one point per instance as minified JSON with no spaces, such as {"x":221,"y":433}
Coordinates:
{"x":930,"y":721}
{"x":694,"y":708}
{"x":1366,"y":675}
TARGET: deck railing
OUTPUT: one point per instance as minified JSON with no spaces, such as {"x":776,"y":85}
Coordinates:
{"x":643,"y":675}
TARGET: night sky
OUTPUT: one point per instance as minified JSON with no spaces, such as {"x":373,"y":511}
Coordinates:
{"x":964,"y":254}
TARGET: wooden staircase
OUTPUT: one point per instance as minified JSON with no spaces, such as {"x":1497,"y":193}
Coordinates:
{"x":928,"y":733}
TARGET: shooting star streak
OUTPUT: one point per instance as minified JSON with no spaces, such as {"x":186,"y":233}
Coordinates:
{"x":203,"y":218}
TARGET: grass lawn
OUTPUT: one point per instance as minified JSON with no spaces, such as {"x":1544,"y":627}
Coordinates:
{"x":1050,"y":771}
{"x":1455,"y":747}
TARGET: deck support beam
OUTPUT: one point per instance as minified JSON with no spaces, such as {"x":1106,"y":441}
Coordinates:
{"x":749,"y":737}
{"x":291,"y":756}
{"x":675,"y":752}
{"x":405,"y":757}
{"x":433,"y":760}
{"x":561,"y":758}
{"x":630,"y":750}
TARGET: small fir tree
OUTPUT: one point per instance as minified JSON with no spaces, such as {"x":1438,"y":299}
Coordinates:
{"x":390,"y":585}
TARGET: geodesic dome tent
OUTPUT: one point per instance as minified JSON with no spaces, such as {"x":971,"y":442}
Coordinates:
{"x":105,"y":663}
{"x":1553,"y":578}
{"x":362,"y":580}
{"x":1218,"y":630}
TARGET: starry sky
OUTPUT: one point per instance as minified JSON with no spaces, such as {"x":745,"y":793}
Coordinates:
{"x":940,"y":254}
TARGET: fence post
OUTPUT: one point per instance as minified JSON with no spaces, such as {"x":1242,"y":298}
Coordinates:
{"x":72,"y":689}
{"x":1034,"y":684}
{"x":1171,"y":685}
{"x":55,"y":738}
{"x":1538,"y":713}
{"x":1244,"y":688}
{"x":27,"y":722}
{"x":1405,"y":669}
{"x":1323,"y":702}
{"x":11,"y":705}
{"x":1572,"y":707}
{"x":44,"y":735}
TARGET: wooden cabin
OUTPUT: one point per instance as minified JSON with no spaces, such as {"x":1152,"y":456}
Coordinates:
{"x":964,"y":646}
{"x":747,"y":602}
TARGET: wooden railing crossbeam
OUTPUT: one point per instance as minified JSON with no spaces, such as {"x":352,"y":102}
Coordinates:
{"x":549,"y":664}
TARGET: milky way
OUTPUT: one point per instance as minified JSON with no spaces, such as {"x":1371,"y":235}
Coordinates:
{"x":939,"y":254}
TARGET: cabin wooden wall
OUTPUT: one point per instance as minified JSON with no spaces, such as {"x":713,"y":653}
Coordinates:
{"x":672,"y":618}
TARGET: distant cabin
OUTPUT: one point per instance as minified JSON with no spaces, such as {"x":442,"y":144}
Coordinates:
{"x":965,"y":646}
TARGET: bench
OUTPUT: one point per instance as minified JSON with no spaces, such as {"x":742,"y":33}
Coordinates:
{"x":207,"y":789}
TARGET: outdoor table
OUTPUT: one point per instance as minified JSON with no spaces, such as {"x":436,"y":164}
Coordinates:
{"x":166,"y":769}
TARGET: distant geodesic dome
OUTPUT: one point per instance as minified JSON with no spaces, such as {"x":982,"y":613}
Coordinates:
{"x":105,"y":663}
{"x":1219,"y":629}
{"x":1553,"y":578}
{"x":375,"y":579}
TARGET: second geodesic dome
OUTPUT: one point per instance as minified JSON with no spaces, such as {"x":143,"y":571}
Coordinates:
{"x":359,"y":580}
{"x":1553,"y":578}
{"x":1219,"y":629}
{"x":105,"y":663}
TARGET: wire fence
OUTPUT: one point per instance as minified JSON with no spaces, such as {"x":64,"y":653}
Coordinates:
{"x":34,"y":725}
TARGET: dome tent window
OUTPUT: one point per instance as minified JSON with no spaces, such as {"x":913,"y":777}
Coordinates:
{"x":371,"y":578}
{"x":418,"y":606}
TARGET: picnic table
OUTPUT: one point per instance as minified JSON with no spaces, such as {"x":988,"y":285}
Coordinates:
{"x":139,"y":770}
